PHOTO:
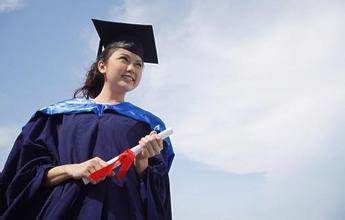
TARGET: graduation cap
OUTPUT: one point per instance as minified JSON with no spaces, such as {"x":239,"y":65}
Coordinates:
{"x":137,"y":38}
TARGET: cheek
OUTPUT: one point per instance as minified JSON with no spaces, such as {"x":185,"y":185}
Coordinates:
{"x":139,"y":75}
{"x":115,"y":70}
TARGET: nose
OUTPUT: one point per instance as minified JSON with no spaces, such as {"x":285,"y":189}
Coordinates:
{"x":130,"y":68}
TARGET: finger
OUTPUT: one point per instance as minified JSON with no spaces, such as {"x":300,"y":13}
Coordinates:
{"x":98,"y":163}
{"x":150,"y":149}
{"x":102,"y":163}
{"x":143,"y":141}
{"x":92,"y":181}
{"x":157,"y":148}
{"x":155,"y":137}
{"x":145,"y":144}
{"x":160,"y":141}
{"x":153,"y":132}
{"x":86,"y":172}
{"x":156,"y":145}
{"x":144,"y":153}
{"x":90,"y":168}
{"x":142,"y":148}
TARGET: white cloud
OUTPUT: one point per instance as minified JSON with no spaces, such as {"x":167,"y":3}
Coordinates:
{"x":269,"y":98}
{"x":8,"y":135}
{"x":253,"y":86}
{"x":247,"y":94}
{"x":9,"y":5}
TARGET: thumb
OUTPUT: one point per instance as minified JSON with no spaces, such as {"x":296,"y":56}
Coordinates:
{"x":153,"y":132}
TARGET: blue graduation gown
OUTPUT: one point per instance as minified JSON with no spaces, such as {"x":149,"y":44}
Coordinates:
{"x":74,"y":131}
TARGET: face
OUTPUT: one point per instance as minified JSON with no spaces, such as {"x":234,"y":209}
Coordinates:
{"x":122,"y":71}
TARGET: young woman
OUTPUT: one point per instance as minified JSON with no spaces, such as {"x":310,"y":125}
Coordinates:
{"x":67,"y":141}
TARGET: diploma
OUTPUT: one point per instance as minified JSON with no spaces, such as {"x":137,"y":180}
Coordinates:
{"x":125,"y":159}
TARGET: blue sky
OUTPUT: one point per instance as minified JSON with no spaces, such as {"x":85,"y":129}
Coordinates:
{"x":253,"y":89}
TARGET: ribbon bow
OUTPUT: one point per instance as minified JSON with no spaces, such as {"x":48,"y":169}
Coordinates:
{"x":125,"y":160}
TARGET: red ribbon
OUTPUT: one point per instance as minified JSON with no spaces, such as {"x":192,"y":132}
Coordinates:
{"x":126,"y":159}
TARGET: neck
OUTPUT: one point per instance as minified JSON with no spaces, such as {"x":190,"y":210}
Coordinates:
{"x":107,"y":96}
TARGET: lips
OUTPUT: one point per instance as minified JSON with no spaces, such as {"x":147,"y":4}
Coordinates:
{"x":128,"y":77}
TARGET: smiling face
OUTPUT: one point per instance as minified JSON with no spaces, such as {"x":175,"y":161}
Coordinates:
{"x":122,"y":71}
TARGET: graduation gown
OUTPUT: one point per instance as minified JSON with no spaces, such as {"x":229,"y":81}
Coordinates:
{"x":74,"y":131}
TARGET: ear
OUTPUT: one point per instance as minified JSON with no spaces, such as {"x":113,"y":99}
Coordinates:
{"x":102,"y":68}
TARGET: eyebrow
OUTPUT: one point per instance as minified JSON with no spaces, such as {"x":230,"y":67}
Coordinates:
{"x":138,"y":60}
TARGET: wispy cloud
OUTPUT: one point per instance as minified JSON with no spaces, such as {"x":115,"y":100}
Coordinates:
{"x":10,"y":5}
{"x":267,"y":101}
{"x":257,"y":93}
{"x":254,"y":87}
{"x":8,"y":135}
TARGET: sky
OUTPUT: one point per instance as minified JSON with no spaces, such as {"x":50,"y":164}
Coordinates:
{"x":254,"y":91}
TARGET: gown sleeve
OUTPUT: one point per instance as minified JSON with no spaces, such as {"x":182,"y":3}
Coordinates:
{"x":158,"y":188}
{"x":155,"y":188}
{"x":32,"y":155}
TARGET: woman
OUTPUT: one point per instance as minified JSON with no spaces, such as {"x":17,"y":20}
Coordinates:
{"x":65,"y":142}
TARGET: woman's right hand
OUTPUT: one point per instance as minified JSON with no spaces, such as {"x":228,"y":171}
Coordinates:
{"x":84,"y":169}
{"x":59,"y":174}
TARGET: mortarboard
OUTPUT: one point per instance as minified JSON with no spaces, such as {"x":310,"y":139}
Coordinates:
{"x":140,"y":36}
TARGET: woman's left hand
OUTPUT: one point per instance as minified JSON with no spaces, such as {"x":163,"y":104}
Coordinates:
{"x":151,"y":145}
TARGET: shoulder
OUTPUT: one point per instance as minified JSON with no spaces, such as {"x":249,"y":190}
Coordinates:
{"x":69,"y":106}
{"x":141,"y":114}
{"x":141,"y":111}
{"x":54,"y":111}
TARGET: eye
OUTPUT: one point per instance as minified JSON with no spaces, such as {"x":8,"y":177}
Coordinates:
{"x":139,"y":65}
{"x":124,"y":58}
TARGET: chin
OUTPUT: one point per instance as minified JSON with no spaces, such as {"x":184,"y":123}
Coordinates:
{"x":129,"y":88}
{"x":125,"y":87}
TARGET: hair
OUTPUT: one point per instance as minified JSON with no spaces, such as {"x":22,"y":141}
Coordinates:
{"x":94,"y":78}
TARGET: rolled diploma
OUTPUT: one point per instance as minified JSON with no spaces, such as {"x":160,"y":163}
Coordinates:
{"x":137,"y":150}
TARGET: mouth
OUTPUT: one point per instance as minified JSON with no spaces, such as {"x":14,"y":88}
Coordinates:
{"x":128,"y":78}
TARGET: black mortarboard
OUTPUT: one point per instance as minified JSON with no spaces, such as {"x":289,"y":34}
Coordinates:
{"x":139,"y":36}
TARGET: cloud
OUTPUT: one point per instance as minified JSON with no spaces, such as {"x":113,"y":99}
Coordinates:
{"x":251,"y":92}
{"x":269,"y":99}
{"x":10,"y":5}
{"x":253,"y":87}
{"x":8,"y":135}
